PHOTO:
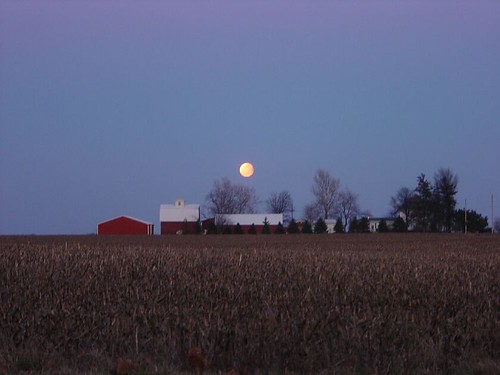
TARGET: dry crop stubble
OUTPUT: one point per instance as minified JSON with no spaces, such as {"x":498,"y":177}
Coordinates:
{"x":305,"y":303}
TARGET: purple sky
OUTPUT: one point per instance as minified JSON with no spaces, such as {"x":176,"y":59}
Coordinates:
{"x":112,"y":108}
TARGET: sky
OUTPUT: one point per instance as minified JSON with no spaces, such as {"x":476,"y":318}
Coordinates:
{"x":111,"y":108}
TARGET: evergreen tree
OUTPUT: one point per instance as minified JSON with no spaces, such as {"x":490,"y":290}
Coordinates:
{"x":238,"y":229}
{"x":364,"y":225}
{"x":382,"y":226}
{"x":400,"y":225}
{"x":354,"y":225}
{"x":293,"y":227}
{"x":445,"y":189}
{"x":476,"y":223}
{"x":279,"y":229}
{"x":339,"y":226}
{"x":307,"y":227}
{"x":266,"y":229}
{"x":212,"y":228}
{"x":252,"y":229}
{"x":199,"y":227}
{"x":423,"y":204}
{"x":320,"y":226}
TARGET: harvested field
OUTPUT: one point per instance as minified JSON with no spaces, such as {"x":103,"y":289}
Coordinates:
{"x":375,"y":303}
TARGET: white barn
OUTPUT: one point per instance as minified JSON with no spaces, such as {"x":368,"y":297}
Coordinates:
{"x":179,"y":217}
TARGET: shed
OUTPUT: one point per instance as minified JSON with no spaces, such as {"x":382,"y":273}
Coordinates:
{"x":125,"y":225}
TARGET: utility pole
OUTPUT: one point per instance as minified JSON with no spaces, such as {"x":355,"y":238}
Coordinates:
{"x":492,"y":217}
{"x":465,"y":217}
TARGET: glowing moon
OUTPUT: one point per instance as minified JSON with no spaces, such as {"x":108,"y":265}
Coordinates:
{"x":246,"y":169}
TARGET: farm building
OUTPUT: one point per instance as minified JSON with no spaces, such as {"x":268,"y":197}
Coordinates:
{"x":330,"y":225}
{"x":246,"y":220}
{"x":125,"y":225}
{"x":374,"y":223}
{"x":179,"y":218}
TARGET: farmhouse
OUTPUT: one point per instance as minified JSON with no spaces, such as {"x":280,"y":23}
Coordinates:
{"x":374,"y":223}
{"x":246,"y":220}
{"x":330,"y":225}
{"x":179,"y":218}
{"x":125,"y":225}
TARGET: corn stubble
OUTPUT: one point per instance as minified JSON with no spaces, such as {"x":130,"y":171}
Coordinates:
{"x":250,"y":304}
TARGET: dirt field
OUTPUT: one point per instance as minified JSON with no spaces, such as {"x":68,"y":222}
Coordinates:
{"x":347,"y":304}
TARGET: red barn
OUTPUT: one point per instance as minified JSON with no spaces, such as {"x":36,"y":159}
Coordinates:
{"x":125,"y":225}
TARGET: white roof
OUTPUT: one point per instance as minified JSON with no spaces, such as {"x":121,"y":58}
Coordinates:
{"x":377,"y":219}
{"x":177,"y":213}
{"x":249,"y":219}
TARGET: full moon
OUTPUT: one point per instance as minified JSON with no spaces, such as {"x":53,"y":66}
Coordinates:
{"x":246,"y":169}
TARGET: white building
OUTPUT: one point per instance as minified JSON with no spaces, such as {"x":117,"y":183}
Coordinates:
{"x":330,"y":225}
{"x":374,"y":223}
{"x":179,"y":217}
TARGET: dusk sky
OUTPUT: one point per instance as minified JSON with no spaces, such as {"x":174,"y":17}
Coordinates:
{"x":112,"y":108}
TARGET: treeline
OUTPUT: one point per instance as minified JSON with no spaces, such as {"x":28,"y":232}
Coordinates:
{"x":428,"y":207}
{"x":431,"y":207}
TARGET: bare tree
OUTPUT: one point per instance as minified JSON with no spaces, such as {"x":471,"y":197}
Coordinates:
{"x":311,"y":212}
{"x":221,"y":198}
{"x":404,"y":202}
{"x":326,"y":193}
{"x":280,"y":203}
{"x":246,"y":200}
{"x":348,"y":206}
{"x":496,"y":225}
{"x":228,"y":198}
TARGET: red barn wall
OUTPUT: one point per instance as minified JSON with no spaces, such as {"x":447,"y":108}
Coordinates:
{"x":258,"y":228}
{"x":124,"y":225}
{"x":172,"y":227}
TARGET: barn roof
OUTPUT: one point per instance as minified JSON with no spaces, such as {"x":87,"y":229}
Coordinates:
{"x":175,"y":213}
{"x":127,"y":217}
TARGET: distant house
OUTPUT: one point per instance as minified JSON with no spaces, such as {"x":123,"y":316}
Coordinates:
{"x":125,"y":225}
{"x":374,"y":223}
{"x":330,"y":225}
{"x":179,"y":218}
{"x":411,"y":225}
{"x":246,"y":220}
